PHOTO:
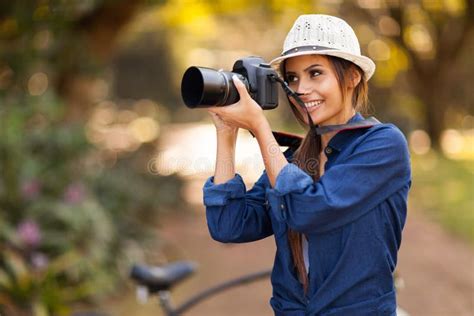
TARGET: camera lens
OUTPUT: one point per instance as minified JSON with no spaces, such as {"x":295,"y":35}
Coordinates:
{"x":204,"y":87}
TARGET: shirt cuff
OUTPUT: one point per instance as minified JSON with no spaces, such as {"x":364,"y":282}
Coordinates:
{"x":219,"y":194}
{"x":291,"y":179}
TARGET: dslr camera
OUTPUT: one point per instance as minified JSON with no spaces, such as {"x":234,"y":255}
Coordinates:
{"x":206,"y":87}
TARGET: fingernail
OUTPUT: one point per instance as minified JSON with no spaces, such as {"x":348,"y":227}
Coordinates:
{"x":235,"y":77}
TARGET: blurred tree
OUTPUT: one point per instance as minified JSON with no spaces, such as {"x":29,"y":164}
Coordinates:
{"x":71,"y":40}
{"x":420,"y":47}
{"x":144,"y":69}
{"x":435,"y":35}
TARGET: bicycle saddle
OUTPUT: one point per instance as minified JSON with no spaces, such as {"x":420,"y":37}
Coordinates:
{"x":162,"y":278}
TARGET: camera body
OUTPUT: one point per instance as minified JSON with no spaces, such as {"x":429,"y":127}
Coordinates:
{"x":205,"y":87}
{"x":262,"y":88}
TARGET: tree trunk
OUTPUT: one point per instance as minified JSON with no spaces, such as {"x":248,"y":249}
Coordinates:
{"x":435,"y":113}
{"x":98,"y":32}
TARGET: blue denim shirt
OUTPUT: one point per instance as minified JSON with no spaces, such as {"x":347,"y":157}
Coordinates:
{"x":353,"y":218}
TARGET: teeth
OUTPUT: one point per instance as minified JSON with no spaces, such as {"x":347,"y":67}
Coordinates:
{"x":312,"y":103}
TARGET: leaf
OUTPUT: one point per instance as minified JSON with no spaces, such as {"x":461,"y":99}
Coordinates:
{"x":5,"y":280}
{"x":15,"y":264}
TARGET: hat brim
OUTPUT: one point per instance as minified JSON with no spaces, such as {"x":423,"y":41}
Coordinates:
{"x":365,"y":63}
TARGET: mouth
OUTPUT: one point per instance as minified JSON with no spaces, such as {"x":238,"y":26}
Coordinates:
{"x":313,"y":104}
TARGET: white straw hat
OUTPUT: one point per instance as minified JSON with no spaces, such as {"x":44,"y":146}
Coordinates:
{"x":324,"y":35}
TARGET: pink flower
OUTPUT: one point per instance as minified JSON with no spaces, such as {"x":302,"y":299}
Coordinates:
{"x":30,"y":189}
{"x":74,"y":193}
{"x":29,"y":233}
{"x":39,"y":260}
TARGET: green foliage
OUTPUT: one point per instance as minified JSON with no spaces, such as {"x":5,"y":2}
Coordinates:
{"x":444,"y":189}
{"x":65,"y":218}
{"x":67,"y":212}
{"x":38,"y":290}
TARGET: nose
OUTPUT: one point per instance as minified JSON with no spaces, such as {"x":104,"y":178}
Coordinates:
{"x":303,"y":88}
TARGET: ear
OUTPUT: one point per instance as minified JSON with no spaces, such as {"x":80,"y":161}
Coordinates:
{"x":355,"y":78}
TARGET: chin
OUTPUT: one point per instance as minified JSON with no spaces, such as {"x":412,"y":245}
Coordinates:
{"x":317,"y":119}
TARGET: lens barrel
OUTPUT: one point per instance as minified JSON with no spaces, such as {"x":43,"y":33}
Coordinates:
{"x":205,"y":87}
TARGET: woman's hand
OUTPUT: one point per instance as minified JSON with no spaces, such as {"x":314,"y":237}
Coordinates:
{"x":245,"y":113}
{"x":222,"y":126}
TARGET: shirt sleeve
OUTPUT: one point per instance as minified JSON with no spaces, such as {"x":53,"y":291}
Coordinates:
{"x":234,"y":215}
{"x":377,"y":168}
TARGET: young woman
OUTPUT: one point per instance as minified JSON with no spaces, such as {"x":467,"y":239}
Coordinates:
{"x":337,"y":204}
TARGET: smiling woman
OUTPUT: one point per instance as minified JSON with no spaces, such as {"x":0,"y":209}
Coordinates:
{"x":331,"y":88}
{"x":336,"y":204}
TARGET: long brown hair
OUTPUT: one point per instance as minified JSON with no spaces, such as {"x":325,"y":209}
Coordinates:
{"x":307,"y":155}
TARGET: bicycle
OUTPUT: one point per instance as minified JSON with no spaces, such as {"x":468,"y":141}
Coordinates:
{"x":159,"y":280}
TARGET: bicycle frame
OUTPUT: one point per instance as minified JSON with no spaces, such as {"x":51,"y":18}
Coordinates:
{"x":160,"y":282}
{"x":164,"y":296}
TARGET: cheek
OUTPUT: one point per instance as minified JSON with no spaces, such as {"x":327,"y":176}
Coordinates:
{"x":333,"y":93}
{"x":328,"y":88}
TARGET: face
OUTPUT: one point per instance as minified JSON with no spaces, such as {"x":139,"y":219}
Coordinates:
{"x":314,"y":77}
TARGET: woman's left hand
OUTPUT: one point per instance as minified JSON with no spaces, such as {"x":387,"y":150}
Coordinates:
{"x":245,"y":113}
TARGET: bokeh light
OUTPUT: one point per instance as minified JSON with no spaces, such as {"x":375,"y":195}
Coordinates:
{"x":38,"y":84}
{"x":144,"y":129}
{"x":365,"y":33}
{"x":145,"y":107}
{"x":112,"y":129}
{"x":452,"y":142}
{"x":388,"y":26}
{"x":419,"y":39}
{"x":455,"y":7}
{"x":379,"y":50}
{"x":369,"y":4}
{"x":420,"y":142}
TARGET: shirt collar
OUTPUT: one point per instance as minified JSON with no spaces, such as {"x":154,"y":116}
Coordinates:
{"x":344,"y":137}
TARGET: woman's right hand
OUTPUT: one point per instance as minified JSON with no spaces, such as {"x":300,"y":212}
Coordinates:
{"x":222,"y":126}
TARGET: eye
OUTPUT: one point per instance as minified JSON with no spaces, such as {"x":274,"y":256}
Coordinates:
{"x":291,"y":79}
{"x":314,"y":73}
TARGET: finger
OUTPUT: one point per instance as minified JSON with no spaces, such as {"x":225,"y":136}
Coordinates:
{"x":212,"y":113}
{"x":216,"y":114}
{"x":241,"y":88}
{"x":213,"y":110}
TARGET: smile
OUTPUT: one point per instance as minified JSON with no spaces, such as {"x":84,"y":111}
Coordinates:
{"x":313,"y":104}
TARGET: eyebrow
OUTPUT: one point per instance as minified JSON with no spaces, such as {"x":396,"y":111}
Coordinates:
{"x":315,"y":65}
{"x":306,"y":69}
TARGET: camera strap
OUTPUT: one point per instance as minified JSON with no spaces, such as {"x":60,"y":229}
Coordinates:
{"x":294,"y":95}
{"x":368,"y":122}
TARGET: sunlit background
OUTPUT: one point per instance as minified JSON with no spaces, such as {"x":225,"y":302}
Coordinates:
{"x":102,"y":165}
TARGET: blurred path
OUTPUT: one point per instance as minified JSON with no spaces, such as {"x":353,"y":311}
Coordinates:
{"x":437,"y":269}
{"x":220,"y":262}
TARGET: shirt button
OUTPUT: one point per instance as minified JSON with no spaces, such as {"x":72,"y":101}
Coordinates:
{"x":282,"y":206}
{"x":328,"y":150}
